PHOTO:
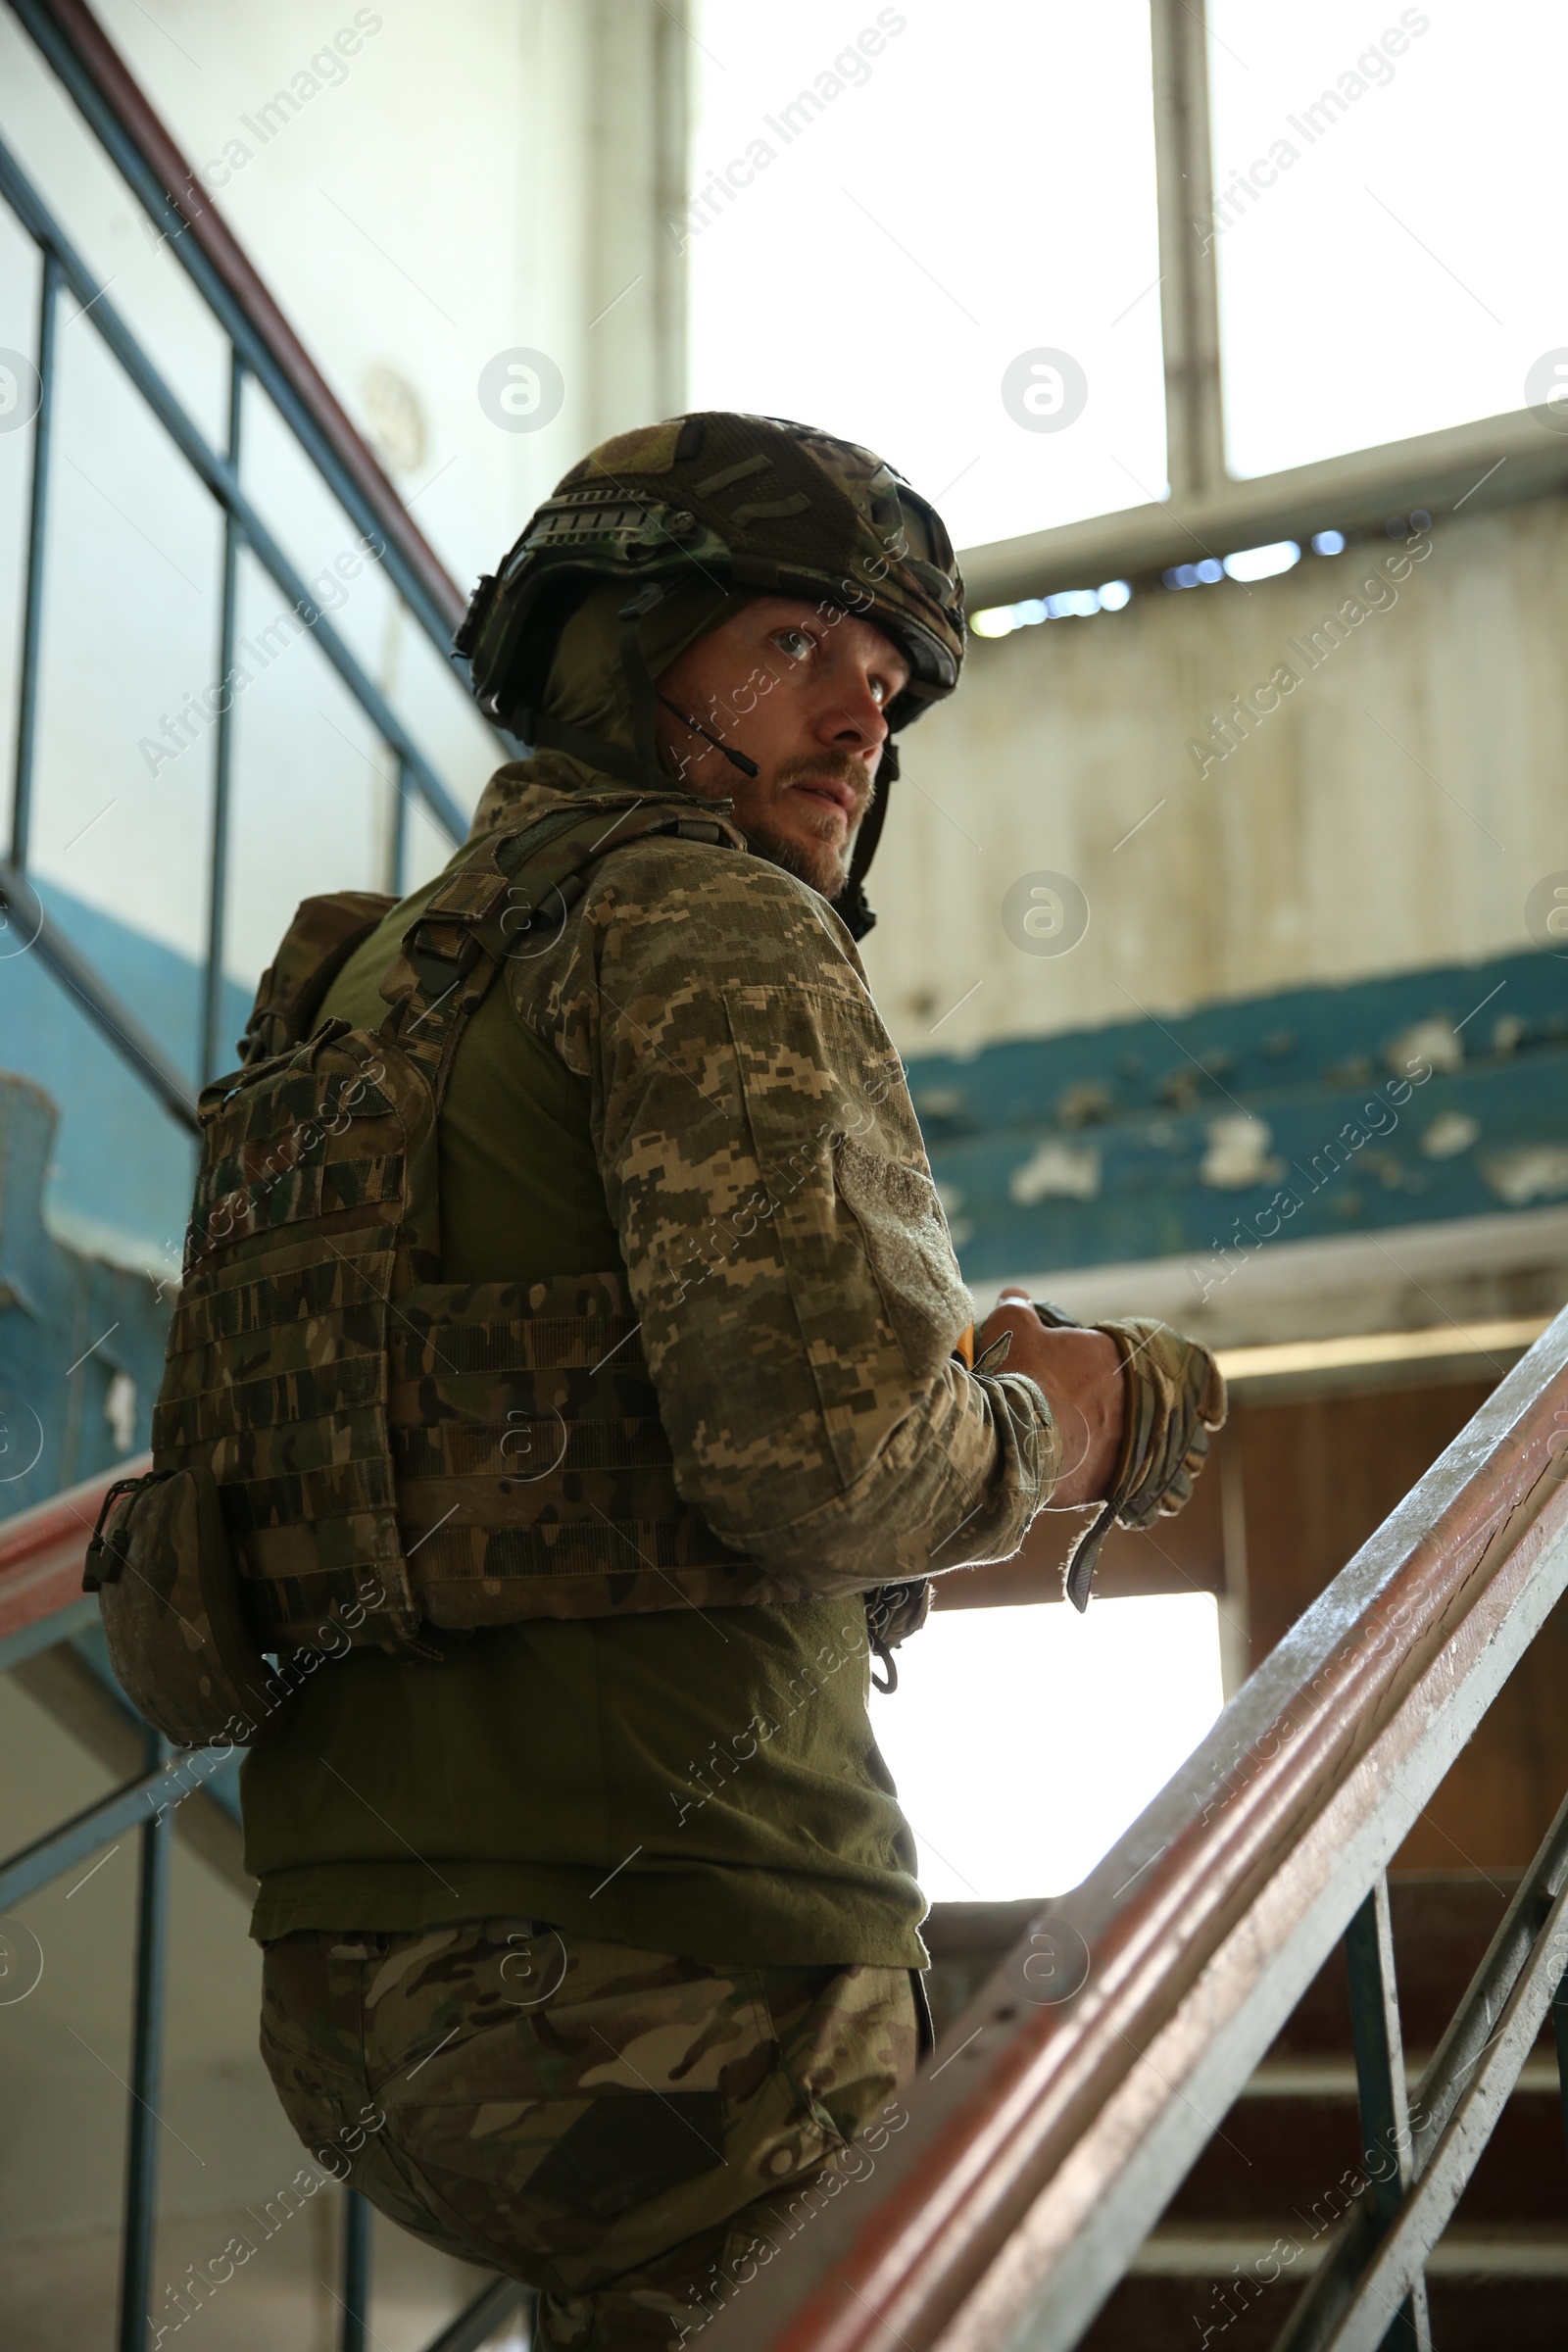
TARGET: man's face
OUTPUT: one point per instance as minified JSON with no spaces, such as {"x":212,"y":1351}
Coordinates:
{"x":803,"y":692}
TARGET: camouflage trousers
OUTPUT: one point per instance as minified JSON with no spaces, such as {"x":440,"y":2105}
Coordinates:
{"x":623,"y":2130}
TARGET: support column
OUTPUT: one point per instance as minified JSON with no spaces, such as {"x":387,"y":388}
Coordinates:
{"x":640,"y":67}
{"x":1188,"y":295}
{"x":146,"y":2070}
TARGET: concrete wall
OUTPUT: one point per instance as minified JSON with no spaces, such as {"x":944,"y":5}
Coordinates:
{"x":1392,"y":811}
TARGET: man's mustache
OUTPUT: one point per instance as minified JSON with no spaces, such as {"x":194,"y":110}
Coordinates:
{"x":828,"y":769}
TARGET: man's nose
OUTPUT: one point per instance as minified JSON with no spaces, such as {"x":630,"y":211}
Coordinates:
{"x":852,"y":716}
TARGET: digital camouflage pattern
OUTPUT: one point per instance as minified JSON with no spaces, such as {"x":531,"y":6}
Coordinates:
{"x":787,"y":1256}
{"x":623,"y":2130}
{"x":761,"y":1405}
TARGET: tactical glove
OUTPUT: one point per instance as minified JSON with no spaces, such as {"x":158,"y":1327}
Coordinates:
{"x":1175,"y":1396}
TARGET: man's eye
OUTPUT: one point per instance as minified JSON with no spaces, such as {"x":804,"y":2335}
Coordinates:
{"x":796,"y":643}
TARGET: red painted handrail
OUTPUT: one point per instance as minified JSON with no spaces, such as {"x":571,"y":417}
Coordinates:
{"x":900,"y":2266}
{"x":42,"y":1549}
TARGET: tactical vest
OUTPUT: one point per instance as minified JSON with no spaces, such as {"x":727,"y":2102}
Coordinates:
{"x":391,"y":1451}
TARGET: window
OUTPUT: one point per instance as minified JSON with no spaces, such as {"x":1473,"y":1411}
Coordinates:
{"x":1024,"y":1741}
{"x":893,"y":207}
{"x":1387,"y":185}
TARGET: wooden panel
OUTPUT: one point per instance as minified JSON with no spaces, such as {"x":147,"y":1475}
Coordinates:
{"x":1320,"y":1474}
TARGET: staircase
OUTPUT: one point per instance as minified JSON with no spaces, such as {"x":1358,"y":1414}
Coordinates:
{"x":1148,"y":2087}
{"x":1246,"y":2083}
{"x":1258,"y":2211}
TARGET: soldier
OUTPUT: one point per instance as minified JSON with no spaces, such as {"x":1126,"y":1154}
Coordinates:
{"x":571,"y":1327}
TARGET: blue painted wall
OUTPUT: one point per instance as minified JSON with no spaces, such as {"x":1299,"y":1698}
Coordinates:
{"x":69,"y":1324}
{"x":1392,"y":1101}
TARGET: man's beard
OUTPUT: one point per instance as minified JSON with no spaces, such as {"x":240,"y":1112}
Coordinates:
{"x":826,"y":871}
{"x":822,"y":864}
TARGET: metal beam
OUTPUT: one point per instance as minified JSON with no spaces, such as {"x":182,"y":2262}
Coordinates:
{"x":1426,"y":2209}
{"x":482,"y":2319}
{"x":1493,"y":461}
{"x":146,"y":2071}
{"x":219,"y":477}
{"x":354,"y":2328}
{"x":108,"y":1013}
{"x":49,"y":1856}
{"x":1188,"y":293}
{"x":214,"y":1058}
{"x":1488,"y":1992}
{"x":33,"y":590}
{"x":1331,"y":2294}
{"x":158,"y":175}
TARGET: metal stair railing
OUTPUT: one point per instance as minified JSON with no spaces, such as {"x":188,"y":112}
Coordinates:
{"x":1025,"y":2165}
{"x":41,"y":1602}
{"x":41,"y":1550}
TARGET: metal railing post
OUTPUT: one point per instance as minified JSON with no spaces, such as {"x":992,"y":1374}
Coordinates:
{"x":355,"y":2288}
{"x":1559,"y":2028}
{"x":146,"y":2067}
{"x":1381,"y":2087}
{"x":32,"y":596}
{"x":396,"y":860}
{"x":213,"y":1056}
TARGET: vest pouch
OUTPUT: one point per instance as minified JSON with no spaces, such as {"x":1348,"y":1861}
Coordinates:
{"x":159,"y":1561}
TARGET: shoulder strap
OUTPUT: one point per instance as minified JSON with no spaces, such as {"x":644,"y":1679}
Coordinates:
{"x":315,"y":947}
{"x":512,"y":897}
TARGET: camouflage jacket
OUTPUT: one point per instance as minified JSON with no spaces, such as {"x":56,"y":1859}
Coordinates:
{"x":789,"y":1261}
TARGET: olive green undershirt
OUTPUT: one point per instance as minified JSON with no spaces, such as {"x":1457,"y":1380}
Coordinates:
{"x":605,"y":1775}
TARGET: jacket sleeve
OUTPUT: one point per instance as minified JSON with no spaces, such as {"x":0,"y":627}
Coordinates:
{"x":785,"y":1245}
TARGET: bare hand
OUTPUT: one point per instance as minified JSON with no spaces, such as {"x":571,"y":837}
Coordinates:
{"x":1081,"y":1374}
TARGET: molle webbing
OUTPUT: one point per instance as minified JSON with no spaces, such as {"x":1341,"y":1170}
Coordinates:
{"x":393,"y":1452}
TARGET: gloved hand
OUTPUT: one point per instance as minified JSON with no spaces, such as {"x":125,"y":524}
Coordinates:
{"x":1175,"y":1397}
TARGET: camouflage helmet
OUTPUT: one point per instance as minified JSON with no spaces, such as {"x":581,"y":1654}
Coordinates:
{"x":750,"y":503}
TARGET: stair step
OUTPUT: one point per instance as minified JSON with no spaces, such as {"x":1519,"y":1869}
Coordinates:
{"x":1329,"y":2077}
{"x":1468,"y":2250}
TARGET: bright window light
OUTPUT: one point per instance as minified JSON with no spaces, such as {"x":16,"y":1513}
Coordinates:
{"x":1328,"y":543}
{"x":1024,"y":1741}
{"x":1069,"y":604}
{"x":1196,"y":575}
{"x":1364,"y":293}
{"x":1262,"y":563}
{"x":902,"y":220}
